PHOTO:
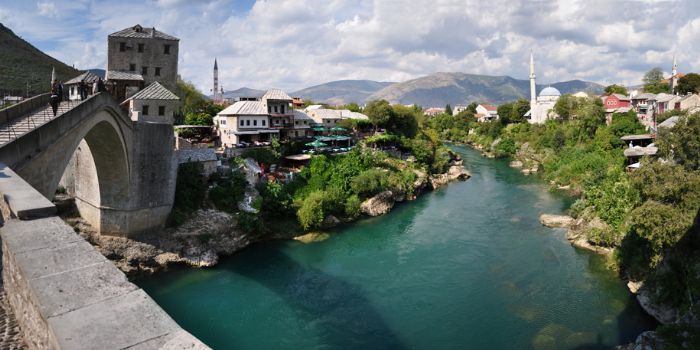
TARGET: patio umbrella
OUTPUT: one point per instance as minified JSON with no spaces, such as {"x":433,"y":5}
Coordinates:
{"x":338,"y":128}
{"x":316,"y":144}
{"x":319,"y":129}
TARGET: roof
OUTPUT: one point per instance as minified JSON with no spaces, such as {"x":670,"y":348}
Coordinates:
{"x":644,"y":96}
{"x":154,"y":91}
{"x":314,"y":107}
{"x":88,"y":77}
{"x":244,"y":108}
{"x":276,"y":94}
{"x":196,"y":155}
{"x":140,"y":32}
{"x":325,"y":113}
{"x":550,"y":91}
{"x":669,"y":123}
{"x":301,"y":115}
{"x":637,"y":137}
{"x":119,"y":75}
{"x":621,"y":97}
{"x":664,"y":97}
{"x":490,"y":107}
{"x":637,"y":151}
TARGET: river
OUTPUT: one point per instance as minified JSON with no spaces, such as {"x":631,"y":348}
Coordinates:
{"x":464,"y":267}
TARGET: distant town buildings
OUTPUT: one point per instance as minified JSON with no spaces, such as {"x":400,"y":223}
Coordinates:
{"x":72,"y":85}
{"x":433,"y":111}
{"x":486,"y":113}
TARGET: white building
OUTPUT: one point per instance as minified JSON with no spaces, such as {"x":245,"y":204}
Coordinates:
{"x":88,"y":78}
{"x":542,"y":106}
{"x":486,"y":113}
{"x":329,"y":118}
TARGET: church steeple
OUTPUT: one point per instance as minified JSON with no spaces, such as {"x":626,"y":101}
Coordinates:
{"x":533,"y":86}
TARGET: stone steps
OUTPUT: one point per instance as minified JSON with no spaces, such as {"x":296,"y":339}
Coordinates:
{"x":23,"y":125}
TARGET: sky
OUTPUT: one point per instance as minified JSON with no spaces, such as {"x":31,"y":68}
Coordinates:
{"x":293,"y":44}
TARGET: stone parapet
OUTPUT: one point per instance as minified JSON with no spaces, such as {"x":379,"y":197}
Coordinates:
{"x":66,"y":295}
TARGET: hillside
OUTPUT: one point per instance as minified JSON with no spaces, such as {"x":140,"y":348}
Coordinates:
{"x":243,"y":92}
{"x":22,"y":63}
{"x":341,"y":91}
{"x":439,"y":89}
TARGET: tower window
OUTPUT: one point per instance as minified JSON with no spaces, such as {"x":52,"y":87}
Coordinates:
{"x":242,"y":122}
{"x":144,"y":109}
{"x":255,"y":122}
{"x":157,"y":71}
{"x":161,"y":110}
{"x":247,"y":122}
{"x":144,"y":70}
{"x":132,"y":67}
{"x":140,"y":47}
{"x":166,"y":49}
{"x":263,"y":123}
{"x":122,"y":46}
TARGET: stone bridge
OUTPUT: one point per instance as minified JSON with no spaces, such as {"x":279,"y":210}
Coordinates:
{"x":63,"y":292}
{"x":122,"y":172}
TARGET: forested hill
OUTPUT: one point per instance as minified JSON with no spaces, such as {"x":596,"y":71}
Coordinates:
{"x":22,"y":63}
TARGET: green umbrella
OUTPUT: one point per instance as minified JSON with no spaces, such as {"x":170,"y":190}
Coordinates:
{"x":338,"y":128}
{"x":324,"y":138}
{"x":342,"y":138}
{"x":319,"y":129}
{"x":316,"y":144}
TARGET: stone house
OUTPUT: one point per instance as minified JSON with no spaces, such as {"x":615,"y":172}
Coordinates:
{"x":72,"y":85}
{"x":204,"y":156}
{"x":329,"y":118}
{"x":486,"y":112}
{"x":139,"y":56}
{"x":690,"y":102}
{"x":155,"y":104}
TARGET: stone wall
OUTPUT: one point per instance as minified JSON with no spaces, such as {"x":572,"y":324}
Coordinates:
{"x":152,"y":56}
{"x":65,"y":294}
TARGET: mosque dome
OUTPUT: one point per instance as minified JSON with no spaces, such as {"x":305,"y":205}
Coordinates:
{"x":550,"y":91}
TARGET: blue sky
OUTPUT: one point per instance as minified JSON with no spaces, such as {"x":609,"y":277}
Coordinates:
{"x":293,"y":44}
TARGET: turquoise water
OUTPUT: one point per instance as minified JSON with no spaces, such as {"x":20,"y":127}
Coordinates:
{"x":465,"y":267}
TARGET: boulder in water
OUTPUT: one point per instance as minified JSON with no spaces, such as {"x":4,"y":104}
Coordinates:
{"x":550,"y":220}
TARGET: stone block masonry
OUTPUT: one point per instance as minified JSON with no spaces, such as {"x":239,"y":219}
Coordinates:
{"x":66,"y":295}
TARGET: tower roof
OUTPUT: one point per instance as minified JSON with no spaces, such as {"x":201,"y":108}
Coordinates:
{"x":215,"y":65}
{"x":140,"y":32}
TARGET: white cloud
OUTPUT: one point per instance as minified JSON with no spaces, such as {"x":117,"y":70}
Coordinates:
{"x":292,"y":44}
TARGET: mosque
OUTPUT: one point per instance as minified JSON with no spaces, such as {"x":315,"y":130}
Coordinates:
{"x":542,"y":106}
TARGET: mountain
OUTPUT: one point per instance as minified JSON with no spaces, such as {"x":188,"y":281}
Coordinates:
{"x":22,"y":63}
{"x":98,"y":72}
{"x":243,"y":92}
{"x":439,"y":89}
{"x":341,"y":91}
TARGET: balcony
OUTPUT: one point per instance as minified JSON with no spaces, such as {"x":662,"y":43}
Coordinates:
{"x":281,"y":126}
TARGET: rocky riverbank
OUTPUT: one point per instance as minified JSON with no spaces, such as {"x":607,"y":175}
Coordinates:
{"x":210,"y":234}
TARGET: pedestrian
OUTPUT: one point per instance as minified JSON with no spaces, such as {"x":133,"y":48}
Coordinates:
{"x":94,"y":88}
{"x":82,"y":88}
{"x":54,"y":100}
{"x":101,"y":85}
{"x":59,"y":91}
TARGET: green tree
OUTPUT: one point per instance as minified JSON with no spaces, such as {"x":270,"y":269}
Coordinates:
{"x":472,"y":107}
{"x":448,"y":109}
{"x":615,"y":89}
{"x":353,"y":107}
{"x":626,"y":124}
{"x":198,"y":119}
{"x":653,"y":81}
{"x":379,"y":112}
{"x":310,"y":213}
{"x":682,"y":142}
{"x":402,"y":121}
{"x":690,"y":83}
{"x":568,"y":106}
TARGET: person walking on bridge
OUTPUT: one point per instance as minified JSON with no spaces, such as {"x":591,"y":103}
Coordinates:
{"x":100,"y":85}
{"x":54,"y":99}
{"x":59,"y":91}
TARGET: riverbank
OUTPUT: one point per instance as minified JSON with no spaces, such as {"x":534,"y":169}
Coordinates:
{"x":210,"y":234}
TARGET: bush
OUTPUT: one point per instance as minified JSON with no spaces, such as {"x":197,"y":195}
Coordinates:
{"x":369,"y":182}
{"x":190,"y":190}
{"x":310,"y":212}
{"x":227,"y":193}
{"x":261,"y":155}
{"x":505,"y":148}
{"x":352,"y":207}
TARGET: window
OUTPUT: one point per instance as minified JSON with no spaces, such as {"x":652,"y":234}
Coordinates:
{"x":255,"y":122}
{"x":144,"y":70}
{"x":157,"y":72}
{"x":277,"y":121}
{"x":166,"y":49}
{"x":222,"y":122}
{"x":132,"y":67}
{"x":122,"y":47}
{"x":161,"y":110}
{"x":140,"y":47}
{"x":144,"y":109}
{"x":242,"y":122}
{"x":263,"y":123}
{"x":247,"y":122}
{"x":275,"y":109}
{"x":282,"y":109}
{"x":269,"y":109}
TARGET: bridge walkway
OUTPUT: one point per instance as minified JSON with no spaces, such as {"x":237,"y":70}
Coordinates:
{"x":14,"y":129}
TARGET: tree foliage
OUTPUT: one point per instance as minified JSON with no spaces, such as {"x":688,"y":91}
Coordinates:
{"x":615,"y":89}
{"x":653,"y":81}
{"x":688,"y":84}
{"x":682,"y":142}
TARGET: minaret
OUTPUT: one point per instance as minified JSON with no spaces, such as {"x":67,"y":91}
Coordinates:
{"x":216,"y":95}
{"x":674,"y":75}
{"x":533,"y":86}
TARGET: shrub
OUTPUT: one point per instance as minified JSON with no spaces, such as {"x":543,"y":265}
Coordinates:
{"x":190,"y":190}
{"x":227,"y":193}
{"x":352,"y":206}
{"x":505,"y":148}
{"x":310,"y":212}
{"x":261,"y":155}
{"x":369,"y":182}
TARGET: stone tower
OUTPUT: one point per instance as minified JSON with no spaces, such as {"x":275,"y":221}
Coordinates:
{"x":533,"y":86}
